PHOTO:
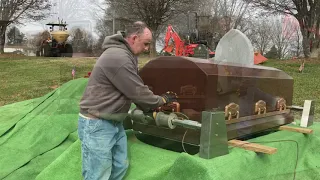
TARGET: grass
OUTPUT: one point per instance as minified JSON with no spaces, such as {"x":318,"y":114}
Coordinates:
{"x":306,"y":84}
{"x":28,"y":78}
{"x":31,"y":77}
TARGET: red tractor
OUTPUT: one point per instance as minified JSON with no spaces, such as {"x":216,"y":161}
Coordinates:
{"x":174,"y":45}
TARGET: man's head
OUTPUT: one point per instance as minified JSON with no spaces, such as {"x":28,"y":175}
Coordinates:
{"x":139,"y":37}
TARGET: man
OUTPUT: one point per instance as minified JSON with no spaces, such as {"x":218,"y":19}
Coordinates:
{"x":113,"y":85}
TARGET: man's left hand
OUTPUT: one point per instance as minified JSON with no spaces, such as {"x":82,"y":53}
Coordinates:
{"x":169,"y":97}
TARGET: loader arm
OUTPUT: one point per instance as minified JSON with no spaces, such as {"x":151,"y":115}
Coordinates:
{"x":178,"y":43}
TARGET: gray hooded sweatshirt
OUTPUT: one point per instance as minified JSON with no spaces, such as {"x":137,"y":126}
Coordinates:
{"x":114,"y":84}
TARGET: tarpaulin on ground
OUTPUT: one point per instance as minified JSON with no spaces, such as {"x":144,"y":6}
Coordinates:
{"x":39,"y":140}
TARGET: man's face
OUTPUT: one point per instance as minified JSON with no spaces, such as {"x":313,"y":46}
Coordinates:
{"x":141,"y":42}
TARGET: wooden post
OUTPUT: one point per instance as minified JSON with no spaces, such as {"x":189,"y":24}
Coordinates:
{"x":252,"y":146}
{"x":296,"y":129}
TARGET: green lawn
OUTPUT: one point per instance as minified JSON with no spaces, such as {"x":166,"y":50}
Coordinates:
{"x":27,"y":78}
{"x":306,"y":84}
{"x":32,"y":77}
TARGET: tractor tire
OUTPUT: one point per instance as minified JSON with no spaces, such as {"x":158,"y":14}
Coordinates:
{"x":47,"y":50}
{"x":68,"y":51}
{"x":55,"y":53}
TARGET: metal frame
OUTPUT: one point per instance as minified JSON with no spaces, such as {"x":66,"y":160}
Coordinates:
{"x":213,"y":139}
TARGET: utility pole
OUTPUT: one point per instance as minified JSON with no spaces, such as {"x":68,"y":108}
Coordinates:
{"x":188,"y":22}
{"x":113,"y":22}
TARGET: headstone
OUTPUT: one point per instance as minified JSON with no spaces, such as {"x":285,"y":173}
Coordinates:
{"x":201,"y":51}
{"x":235,"y":47}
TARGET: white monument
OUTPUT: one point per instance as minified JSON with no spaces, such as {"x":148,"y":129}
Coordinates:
{"x":235,"y":47}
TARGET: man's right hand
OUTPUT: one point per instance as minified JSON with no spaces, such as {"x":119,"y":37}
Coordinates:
{"x":169,"y":97}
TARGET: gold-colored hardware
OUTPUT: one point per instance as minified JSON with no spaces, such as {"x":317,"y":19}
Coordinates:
{"x":260,"y":107}
{"x":281,"y":104}
{"x":231,"y":111}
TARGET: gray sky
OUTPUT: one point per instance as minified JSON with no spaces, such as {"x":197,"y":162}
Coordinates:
{"x":82,"y":13}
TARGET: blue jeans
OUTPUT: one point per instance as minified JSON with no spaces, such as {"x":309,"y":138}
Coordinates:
{"x":103,"y":149}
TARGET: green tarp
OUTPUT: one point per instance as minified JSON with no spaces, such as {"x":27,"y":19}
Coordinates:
{"x":39,"y":140}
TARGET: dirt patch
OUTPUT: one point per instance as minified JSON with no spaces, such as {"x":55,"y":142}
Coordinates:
{"x":54,"y":86}
{"x":82,"y":55}
{"x":9,"y":55}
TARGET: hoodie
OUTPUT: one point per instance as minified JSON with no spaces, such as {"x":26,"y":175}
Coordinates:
{"x":114,"y":84}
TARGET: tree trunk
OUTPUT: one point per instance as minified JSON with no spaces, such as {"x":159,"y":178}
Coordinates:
{"x":155,"y":34}
{"x":308,"y":31}
{"x":298,"y":49}
{"x":306,"y":40}
{"x":306,"y":45}
{"x":3,"y":29}
{"x":310,"y":36}
{"x":279,"y":53}
{"x":153,"y":50}
{"x":315,"y":45}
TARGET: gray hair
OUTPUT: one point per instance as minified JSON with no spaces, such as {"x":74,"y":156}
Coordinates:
{"x":135,"y":28}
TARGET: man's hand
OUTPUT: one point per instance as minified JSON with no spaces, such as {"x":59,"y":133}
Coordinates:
{"x":169,"y":97}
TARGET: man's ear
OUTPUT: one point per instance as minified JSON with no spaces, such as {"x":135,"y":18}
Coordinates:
{"x":134,"y":37}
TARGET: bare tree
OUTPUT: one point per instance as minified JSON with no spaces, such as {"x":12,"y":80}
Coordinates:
{"x":106,"y":25}
{"x":16,"y":11}
{"x":15,"y":36}
{"x":224,"y":15}
{"x":297,"y":48}
{"x":82,"y":41}
{"x":279,"y":37}
{"x":34,"y":42}
{"x":227,"y":14}
{"x":233,"y":11}
{"x":154,"y":13}
{"x":291,"y":31}
{"x":307,"y":12}
{"x":260,"y":35}
{"x":103,"y":29}
{"x":209,"y":19}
